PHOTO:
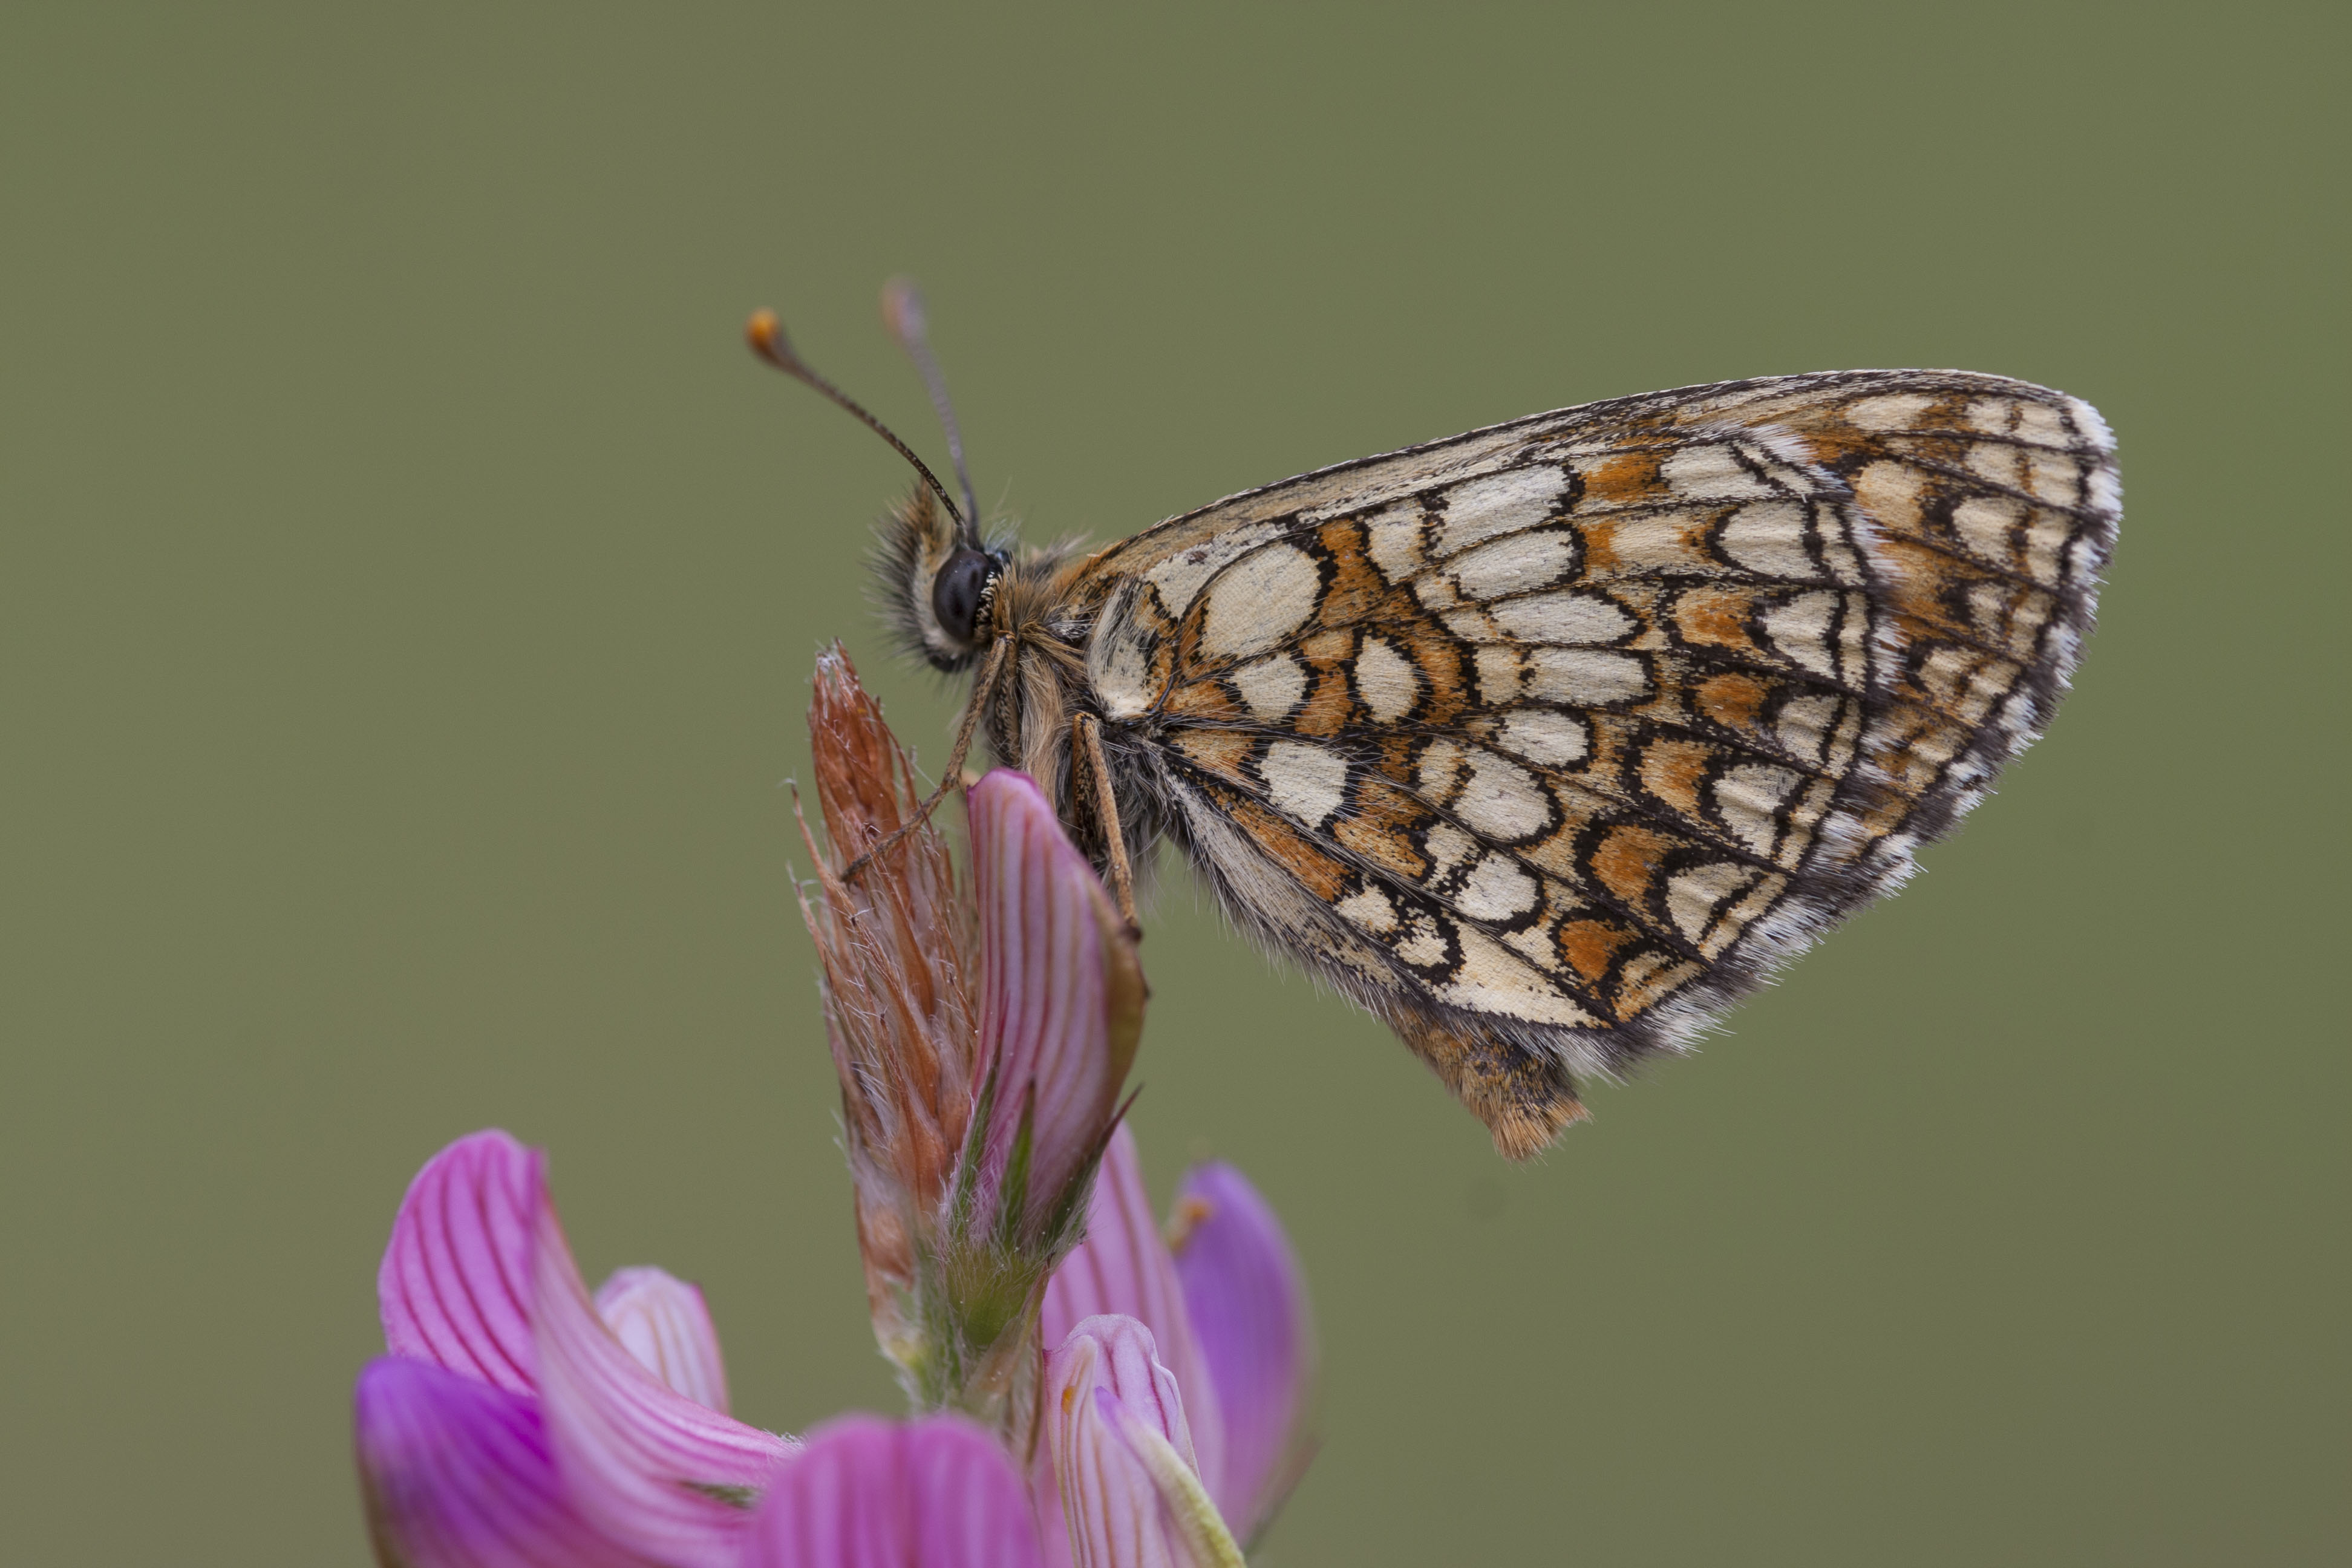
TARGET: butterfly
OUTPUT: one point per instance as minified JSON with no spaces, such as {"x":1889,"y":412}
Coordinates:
{"x":1547,"y":741}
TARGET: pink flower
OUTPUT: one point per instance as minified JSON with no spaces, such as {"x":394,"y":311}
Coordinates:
{"x":1221,"y":1319}
{"x":511,"y":1423}
{"x":869,"y":1493}
{"x":516,"y":1424}
{"x":982,"y":1035}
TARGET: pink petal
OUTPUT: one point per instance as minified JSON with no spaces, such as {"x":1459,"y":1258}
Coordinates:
{"x":457,"y":1473}
{"x":870,"y":1493}
{"x":1104,"y":1373}
{"x":1123,"y":1266}
{"x":1246,"y":1299}
{"x":671,"y":1479}
{"x":665,"y":1323}
{"x":455,"y":1285}
{"x":480,"y":1279}
{"x":1062,"y":998}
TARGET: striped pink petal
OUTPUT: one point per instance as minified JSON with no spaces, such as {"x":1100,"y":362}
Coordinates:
{"x":870,"y":1493}
{"x":1104,"y":1374}
{"x":651,"y":1469}
{"x":455,"y":1285}
{"x":665,"y":1323}
{"x":478,"y":1279}
{"x":1062,"y":995}
{"x":1246,"y":1299}
{"x":457,"y":1473}
{"x":1124,"y":1268}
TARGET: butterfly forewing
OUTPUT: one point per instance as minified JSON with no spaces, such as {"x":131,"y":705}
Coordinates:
{"x":1545,"y":742}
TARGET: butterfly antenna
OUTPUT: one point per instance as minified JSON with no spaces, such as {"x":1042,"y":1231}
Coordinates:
{"x":766,"y":336}
{"x":902,"y":308}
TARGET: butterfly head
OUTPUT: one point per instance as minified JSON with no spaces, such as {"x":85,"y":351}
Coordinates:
{"x":938,"y":583}
{"x":938,"y":578}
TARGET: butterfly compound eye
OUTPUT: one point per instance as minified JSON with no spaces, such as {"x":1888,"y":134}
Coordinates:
{"x":957,"y":591}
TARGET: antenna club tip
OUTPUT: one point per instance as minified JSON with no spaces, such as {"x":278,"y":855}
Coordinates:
{"x":902,"y":308}
{"x":762,"y":331}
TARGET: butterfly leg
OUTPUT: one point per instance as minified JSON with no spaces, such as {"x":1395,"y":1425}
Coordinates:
{"x":1086,"y":740}
{"x":951,"y":777}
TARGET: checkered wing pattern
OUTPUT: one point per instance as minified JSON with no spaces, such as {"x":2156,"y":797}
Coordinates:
{"x":1547,"y":741}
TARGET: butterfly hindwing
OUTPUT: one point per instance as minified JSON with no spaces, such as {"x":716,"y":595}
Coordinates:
{"x":1547,"y":741}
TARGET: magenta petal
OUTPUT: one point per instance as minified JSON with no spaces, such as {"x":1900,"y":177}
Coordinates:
{"x":665,"y":1323}
{"x":458,"y":1474}
{"x":870,"y":1493}
{"x":1124,"y":1268}
{"x":1247,"y":1301}
{"x":454,"y":1284}
{"x":1061,"y":1005}
{"x":1103,"y":1374}
{"x":671,"y":1479}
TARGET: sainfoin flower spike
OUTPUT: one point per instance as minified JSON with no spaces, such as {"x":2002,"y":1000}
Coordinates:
{"x":982,"y":1035}
{"x":1140,"y":1398}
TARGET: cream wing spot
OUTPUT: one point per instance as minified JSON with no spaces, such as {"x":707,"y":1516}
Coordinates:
{"x":1991,"y":416}
{"x":1985,"y":523}
{"x":2054,"y":479}
{"x":1562,"y":617}
{"x":1800,"y":628}
{"x":1473,"y":626}
{"x":1424,"y":943}
{"x":1259,"y":600}
{"x":1498,"y":674}
{"x":1439,"y":773}
{"x":2040,"y":422}
{"x":1515,"y":563}
{"x":1895,"y":411}
{"x":1447,"y":846}
{"x":1546,"y":736}
{"x":1272,"y":686}
{"x":1306,"y":782}
{"x":1496,"y":889}
{"x":1493,"y":979}
{"x":1770,"y":538}
{"x":1392,"y":539}
{"x":1480,"y":509}
{"x":1989,"y":609}
{"x":1502,"y":801}
{"x":1710,"y":473}
{"x":1803,"y":725}
{"x":1692,"y":896}
{"x":1179,"y":578}
{"x":2045,"y":537}
{"x":1536,"y":944}
{"x":1435,"y":593}
{"x":1749,"y":797}
{"x":1998,"y":462}
{"x":1584,"y":677}
{"x":1833,"y":527}
{"x":1370,"y":909}
{"x":1118,"y":659}
{"x":1387,"y":684}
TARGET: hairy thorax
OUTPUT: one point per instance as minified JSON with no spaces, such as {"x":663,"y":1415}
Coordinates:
{"x":1047,"y":603}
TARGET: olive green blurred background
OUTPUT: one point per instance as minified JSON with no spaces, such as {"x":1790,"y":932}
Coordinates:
{"x":408,"y":588}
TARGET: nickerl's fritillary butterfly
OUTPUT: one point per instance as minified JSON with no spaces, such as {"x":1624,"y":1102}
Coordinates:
{"x":1547,"y":741}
